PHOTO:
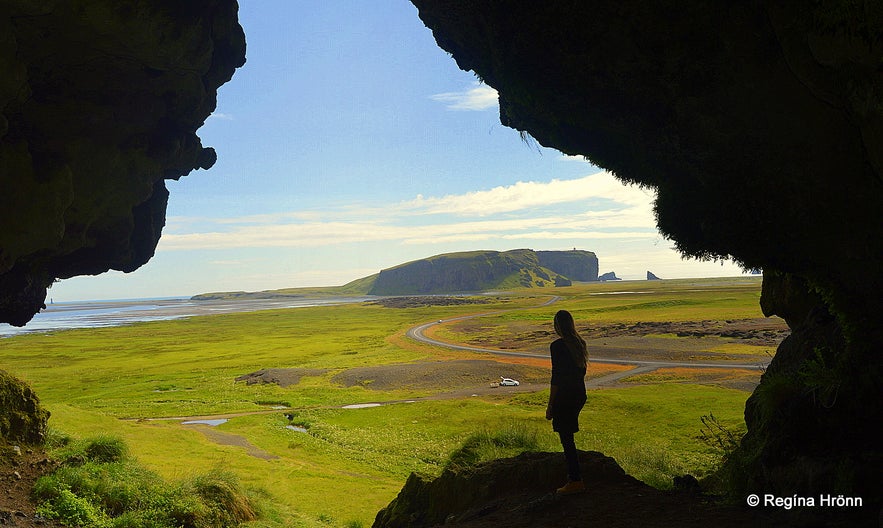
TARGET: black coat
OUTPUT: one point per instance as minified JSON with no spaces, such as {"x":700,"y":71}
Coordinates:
{"x":570,"y":397}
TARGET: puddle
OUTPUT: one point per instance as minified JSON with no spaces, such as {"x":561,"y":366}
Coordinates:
{"x":206,"y":422}
{"x":360,"y":406}
{"x":297,"y":428}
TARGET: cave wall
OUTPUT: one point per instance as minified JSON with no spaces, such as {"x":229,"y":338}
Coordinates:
{"x":100,"y":101}
{"x":760,"y":126}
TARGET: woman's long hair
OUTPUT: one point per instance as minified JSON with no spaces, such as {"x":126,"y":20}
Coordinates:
{"x":566,"y":328}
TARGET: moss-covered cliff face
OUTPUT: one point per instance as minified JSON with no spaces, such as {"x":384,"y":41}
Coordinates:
{"x":100,"y":101}
{"x":760,"y":125}
{"x":22,"y":418}
{"x":485,"y":270}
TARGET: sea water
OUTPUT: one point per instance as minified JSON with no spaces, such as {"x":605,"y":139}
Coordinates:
{"x":97,"y":314}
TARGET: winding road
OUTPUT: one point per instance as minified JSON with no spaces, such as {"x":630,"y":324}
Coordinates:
{"x":417,"y":333}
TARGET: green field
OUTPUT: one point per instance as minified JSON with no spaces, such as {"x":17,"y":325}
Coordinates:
{"x":352,"y":462}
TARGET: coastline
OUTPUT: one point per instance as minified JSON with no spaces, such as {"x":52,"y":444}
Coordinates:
{"x":98,"y":314}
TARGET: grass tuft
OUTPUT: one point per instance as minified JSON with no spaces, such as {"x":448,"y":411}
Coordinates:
{"x":509,"y":440}
{"x":220,"y":491}
{"x":106,"y":449}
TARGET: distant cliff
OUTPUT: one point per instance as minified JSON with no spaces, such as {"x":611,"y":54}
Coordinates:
{"x":486,"y":270}
{"x":576,"y":265}
{"x":471,"y":271}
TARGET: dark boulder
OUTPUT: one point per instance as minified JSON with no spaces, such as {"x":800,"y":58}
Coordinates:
{"x":458,"y":494}
{"x":518,"y":492}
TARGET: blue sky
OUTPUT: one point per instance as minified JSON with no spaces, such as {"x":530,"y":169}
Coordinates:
{"x":348,"y":143}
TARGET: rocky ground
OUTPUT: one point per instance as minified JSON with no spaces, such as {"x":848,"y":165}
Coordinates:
{"x":20,"y":467}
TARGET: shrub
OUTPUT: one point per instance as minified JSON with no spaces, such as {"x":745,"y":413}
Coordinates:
{"x":822,"y":379}
{"x":97,"y":486}
{"x":70,"y":509}
{"x":100,"y":449}
{"x":722,"y":439}
{"x":141,"y":519}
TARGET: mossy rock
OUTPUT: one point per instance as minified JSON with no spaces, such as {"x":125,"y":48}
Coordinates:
{"x":22,"y":418}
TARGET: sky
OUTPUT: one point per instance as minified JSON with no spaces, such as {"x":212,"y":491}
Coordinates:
{"x":349,"y":143}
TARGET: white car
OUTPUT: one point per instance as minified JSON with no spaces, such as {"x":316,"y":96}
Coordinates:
{"x":508,"y":382}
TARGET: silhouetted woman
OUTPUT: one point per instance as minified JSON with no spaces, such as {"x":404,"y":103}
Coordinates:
{"x":567,"y":393}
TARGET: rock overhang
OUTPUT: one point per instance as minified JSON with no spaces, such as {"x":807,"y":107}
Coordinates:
{"x":100,"y":102}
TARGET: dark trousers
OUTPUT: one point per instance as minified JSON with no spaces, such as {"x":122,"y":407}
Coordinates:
{"x":570,"y":456}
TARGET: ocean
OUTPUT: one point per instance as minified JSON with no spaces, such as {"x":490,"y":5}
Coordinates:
{"x":97,"y":314}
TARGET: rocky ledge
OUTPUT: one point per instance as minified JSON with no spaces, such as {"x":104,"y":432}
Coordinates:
{"x":519,"y":492}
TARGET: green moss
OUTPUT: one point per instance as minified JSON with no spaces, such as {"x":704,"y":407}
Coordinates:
{"x":22,"y":418}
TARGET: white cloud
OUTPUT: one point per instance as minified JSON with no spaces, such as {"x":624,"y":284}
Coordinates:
{"x":524,"y":211}
{"x":582,"y":235}
{"x":479,"y":97}
{"x":525,"y":195}
{"x":234,"y":263}
{"x":219,"y":115}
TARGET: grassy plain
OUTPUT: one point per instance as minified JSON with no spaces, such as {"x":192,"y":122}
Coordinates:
{"x":351,"y":462}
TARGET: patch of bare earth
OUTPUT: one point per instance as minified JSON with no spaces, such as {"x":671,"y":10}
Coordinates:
{"x":436,"y":375}
{"x":19,"y":470}
{"x":284,"y":377}
{"x":532,"y":337}
{"x":228,"y":439}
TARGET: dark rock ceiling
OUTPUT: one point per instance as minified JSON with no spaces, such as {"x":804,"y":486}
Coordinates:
{"x":99,"y":104}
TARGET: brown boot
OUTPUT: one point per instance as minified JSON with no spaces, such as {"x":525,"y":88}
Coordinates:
{"x":573,"y":486}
